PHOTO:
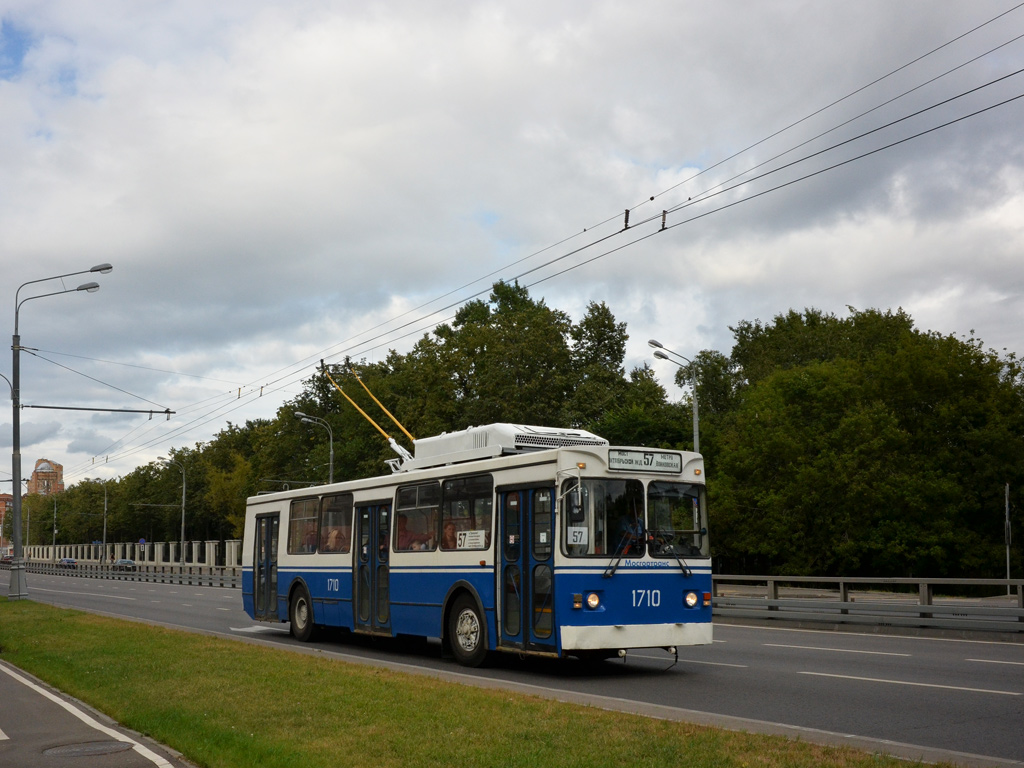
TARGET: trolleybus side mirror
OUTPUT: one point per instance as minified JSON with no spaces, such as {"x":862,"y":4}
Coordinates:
{"x":575,"y":510}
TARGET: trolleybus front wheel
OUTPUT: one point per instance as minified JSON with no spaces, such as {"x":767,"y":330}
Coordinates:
{"x":467,"y":633}
{"x":300,"y":613}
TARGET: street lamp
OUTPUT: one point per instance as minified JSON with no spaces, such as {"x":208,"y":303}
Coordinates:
{"x":103,"y":557}
{"x":179,"y":465}
{"x":662,"y":353}
{"x":19,"y":587}
{"x":3,"y":508}
{"x":330,"y":434}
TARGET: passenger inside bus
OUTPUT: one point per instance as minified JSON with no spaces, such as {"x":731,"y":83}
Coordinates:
{"x":406,"y":539}
{"x":309,"y":541}
{"x":450,"y":539}
{"x":335,"y":539}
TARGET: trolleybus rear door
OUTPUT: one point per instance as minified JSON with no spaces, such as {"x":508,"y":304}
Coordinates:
{"x":527,"y":578}
{"x":265,"y":577}
{"x":371,"y":575}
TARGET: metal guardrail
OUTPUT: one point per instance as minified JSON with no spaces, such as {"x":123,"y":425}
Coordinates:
{"x":191,"y":575}
{"x":853,"y":601}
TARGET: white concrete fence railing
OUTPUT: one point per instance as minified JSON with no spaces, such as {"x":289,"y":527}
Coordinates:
{"x":159,"y":553}
{"x":207,"y":563}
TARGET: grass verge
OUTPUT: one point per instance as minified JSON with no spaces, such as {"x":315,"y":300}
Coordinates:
{"x":227,"y":704}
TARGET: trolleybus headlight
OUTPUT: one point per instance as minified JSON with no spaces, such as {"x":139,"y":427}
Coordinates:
{"x":593,"y":600}
{"x":691,"y":599}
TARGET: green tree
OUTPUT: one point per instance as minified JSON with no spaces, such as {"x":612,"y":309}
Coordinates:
{"x":861,"y":445}
{"x":598,"y":350}
{"x":643,"y":415}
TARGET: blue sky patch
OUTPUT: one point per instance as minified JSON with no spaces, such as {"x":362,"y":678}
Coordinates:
{"x":14,"y":44}
{"x":486,"y":219}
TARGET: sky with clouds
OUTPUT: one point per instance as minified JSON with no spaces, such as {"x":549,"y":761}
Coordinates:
{"x":279,"y":182}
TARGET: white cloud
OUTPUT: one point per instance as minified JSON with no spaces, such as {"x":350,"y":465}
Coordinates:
{"x":273,"y":180}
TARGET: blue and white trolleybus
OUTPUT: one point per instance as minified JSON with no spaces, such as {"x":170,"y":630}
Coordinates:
{"x":497,"y":538}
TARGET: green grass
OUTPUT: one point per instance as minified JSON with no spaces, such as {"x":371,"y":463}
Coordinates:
{"x":228,"y":704}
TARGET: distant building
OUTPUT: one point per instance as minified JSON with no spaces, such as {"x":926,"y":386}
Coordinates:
{"x":47,"y":478}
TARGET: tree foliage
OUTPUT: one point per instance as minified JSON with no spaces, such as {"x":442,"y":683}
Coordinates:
{"x":854,"y":445}
{"x":863,"y":446}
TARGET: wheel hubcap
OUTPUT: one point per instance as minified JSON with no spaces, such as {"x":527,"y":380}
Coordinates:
{"x":468,"y":631}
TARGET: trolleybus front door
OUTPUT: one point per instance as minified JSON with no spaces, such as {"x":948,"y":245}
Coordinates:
{"x":265,"y":577}
{"x":527,"y":578}
{"x":371,"y":576}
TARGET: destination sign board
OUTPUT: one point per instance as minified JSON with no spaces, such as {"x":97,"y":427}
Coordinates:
{"x":645,"y":461}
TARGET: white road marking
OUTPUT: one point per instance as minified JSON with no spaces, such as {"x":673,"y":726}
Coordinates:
{"x":908,"y":638}
{"x":144,"y":751}
{"x":994,"y":661}
{"x":905,"y":682}
{"x":87,"y":594}
{"x":257,"y":629}
{"x":834,"y":650}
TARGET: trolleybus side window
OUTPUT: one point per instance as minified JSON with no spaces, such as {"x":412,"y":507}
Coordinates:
{"x":677,"y":522}
{"x":336,"y":523}
{"x":416,"y":511}
{"x":467,"y":506}
{"x":302,"y":526}
{"x":610,"y":519}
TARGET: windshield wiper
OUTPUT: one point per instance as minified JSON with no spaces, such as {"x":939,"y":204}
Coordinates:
{"x":613,"y":564}
{"x":670,"y":549}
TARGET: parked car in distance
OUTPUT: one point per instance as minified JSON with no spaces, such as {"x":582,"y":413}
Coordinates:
{"x":6,"y":559}
{"x":124,"y":564}
{"x":67,"y":562}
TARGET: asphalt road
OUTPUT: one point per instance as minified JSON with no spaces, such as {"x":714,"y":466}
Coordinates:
{"x":928,"y":697}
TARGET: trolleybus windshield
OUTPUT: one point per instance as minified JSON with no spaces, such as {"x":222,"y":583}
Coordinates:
{"x":609,"y":517}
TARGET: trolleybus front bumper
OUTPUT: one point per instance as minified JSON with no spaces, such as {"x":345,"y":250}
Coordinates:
{"x":635,"y":636}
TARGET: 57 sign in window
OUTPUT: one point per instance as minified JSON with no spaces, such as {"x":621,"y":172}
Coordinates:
{"x":645,"y":461}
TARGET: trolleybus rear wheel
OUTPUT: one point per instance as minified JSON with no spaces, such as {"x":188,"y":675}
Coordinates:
{"x":467,"y":633}
{"x":300,"y":613}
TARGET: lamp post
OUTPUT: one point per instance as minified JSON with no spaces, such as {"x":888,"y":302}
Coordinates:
{"x":19,"y":587}
{"x":53,"y":550}
{"x":662,"y":353}
{"x":103,"y":556}
{"x":3,"y":509}
{"x":179,"y":465}
{"x":330,"y":434}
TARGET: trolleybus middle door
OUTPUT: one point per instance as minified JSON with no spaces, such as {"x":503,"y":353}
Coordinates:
{"x":372,"y":599}
{"x":265,"y":577}
{"x":526,"y":578}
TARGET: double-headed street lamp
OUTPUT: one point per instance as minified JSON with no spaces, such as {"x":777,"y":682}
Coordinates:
{"x":179,"y":465}
{"x":19,"y":587}
{"x":330,"y":434}
{"x":663,"y":354}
